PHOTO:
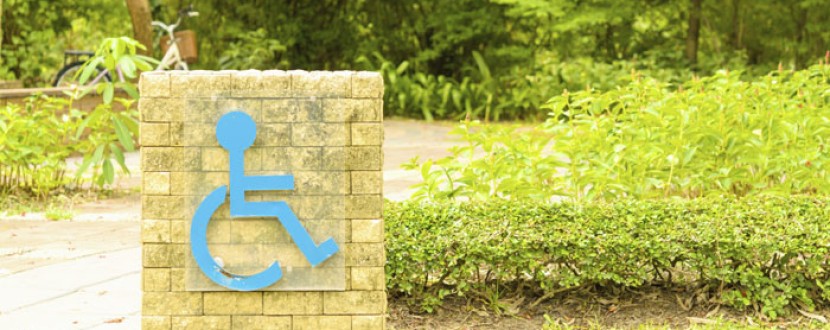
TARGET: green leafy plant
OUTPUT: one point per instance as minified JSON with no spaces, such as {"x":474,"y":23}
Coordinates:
{"x":109,"y":134}
{"x":37,"y":138}
{"x":715,"y":135}
{"x":768,"y":254}
{"x":118,"y":56}
{"x":253,"y":50}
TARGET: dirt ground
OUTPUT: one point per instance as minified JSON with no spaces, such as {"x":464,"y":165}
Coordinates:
{"x":649,"y":308}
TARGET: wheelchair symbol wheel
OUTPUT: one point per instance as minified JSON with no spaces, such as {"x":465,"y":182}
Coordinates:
{"x":206,"y":262}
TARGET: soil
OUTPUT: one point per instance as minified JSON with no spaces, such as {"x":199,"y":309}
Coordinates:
{"x":653,"y":307}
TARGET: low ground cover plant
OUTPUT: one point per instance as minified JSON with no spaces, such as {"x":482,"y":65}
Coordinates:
{"x":768,"y":254}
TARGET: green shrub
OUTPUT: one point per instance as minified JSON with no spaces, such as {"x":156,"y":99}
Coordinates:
{"x":712,"y":136}
{"x":37,"y":137}
{"x":766,"y":252}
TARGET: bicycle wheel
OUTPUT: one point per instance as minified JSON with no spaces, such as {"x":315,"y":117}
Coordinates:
{"x":67,"y":76}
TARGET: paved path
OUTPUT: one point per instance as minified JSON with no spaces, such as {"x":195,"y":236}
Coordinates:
{"x":86,"y":273}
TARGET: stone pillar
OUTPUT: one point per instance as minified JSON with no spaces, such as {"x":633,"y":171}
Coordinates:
{"x":325,"y":129}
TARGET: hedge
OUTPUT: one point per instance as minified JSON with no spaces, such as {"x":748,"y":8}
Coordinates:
{"x":767,"y":253}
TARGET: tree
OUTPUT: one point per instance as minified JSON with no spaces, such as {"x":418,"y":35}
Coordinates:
{"x":693,"y":36}
{"x":142,"y":23}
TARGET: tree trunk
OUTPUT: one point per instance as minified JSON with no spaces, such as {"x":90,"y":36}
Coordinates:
{"x":142,"y":23}
{"x":737,"y":25}
{"x":1,"y":25}
{"x":692,"y":38}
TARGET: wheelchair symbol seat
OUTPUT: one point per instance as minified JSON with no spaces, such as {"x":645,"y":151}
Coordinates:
{"x":236,"y":132}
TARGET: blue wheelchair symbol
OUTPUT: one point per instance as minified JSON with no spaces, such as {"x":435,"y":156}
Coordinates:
{"x":236,"y":131}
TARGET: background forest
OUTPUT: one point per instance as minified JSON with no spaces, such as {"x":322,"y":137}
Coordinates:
{"x":488,"y":59}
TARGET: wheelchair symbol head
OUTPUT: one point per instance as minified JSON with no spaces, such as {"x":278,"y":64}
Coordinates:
{"x":236,"y":131}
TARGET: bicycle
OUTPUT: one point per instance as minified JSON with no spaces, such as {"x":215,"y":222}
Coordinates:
{"x":68,"y":75}
{"x":173,"y":58}
{"x":72,"y":63}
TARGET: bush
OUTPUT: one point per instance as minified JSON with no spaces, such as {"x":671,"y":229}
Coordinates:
{"x":712,"y":136}
{"x":769,"y":253}
{"x":37,"y":137}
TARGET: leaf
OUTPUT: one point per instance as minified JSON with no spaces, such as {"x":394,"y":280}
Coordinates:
{"x":108,"y":172}
{"x":123,"y":134}
{"x":90,"y":67}
{"x":119,"y":157}
{"x":109,"y":90}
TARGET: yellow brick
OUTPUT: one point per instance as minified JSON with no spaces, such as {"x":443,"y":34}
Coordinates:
{"x":215,"y":159}
{"x":177,"y":279}
{"x":161,"y":109}
{"x":368,"y":322}
{"x":368,"y":279}
{"x":273,"y":135}
{"x":156,"y":279}
{"x":196,"y":183}
{"x":292,"y":110}
{"x":155,"y":183}
{"x":352,"y":110}
{"x":354,"y":302}
{"x":200,"y":84}
{"x":319,"y":322}
{"x":254,"y":83}
{"x":293,"y":303}
{"x":171,"y":303}
{"x":367,"y":231}
{"x":157,"y":231}
{"x":261,"y":322}
{"x":155,"y":255}
{"x":320,"y":83}
{"x":163,"y":207}
{"x":253,"y":107}
{"x":334,"y":159}
{"x":154,"y":134}
{"x":235,"y":303}
{"x":367,"y":134}
{"x":360,"y":158}
{"x":155,"y":323}
{"x":218,"y":231}
{"x":166,"y":159}
{"x":319,"y":134}
{"x":367,"y":182}
{"x":179,"y":232}
{"x":364,"y":206}
{"x":367,"y":85}
{"x":154,"y":84}
{"x":178,"y":254}
{"x":200,"y":110}
{"x":201,"y":322}
{"x":321,"y":182}
{"x":365,"y":255}
{"x":193,"y":134}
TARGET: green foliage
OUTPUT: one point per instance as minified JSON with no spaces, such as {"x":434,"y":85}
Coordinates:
{"x":253,"y":50}
{"x":712,"y":136}
{"x":37,"y":138}
{"x":110,"y":134}
{"x":118,"y":56}
{"x":36,"y":32}
{"x":766,"y":253}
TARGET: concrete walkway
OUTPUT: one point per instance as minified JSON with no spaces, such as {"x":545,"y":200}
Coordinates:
{"x":86,"y":273}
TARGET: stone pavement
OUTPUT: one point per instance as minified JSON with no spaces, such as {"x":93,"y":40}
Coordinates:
{"x":86,"y":273}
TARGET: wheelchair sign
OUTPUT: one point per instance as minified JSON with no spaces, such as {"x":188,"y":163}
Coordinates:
{"x":236,"y":132}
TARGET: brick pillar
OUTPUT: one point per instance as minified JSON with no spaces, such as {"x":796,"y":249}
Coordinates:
{"x":325,"y":129}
